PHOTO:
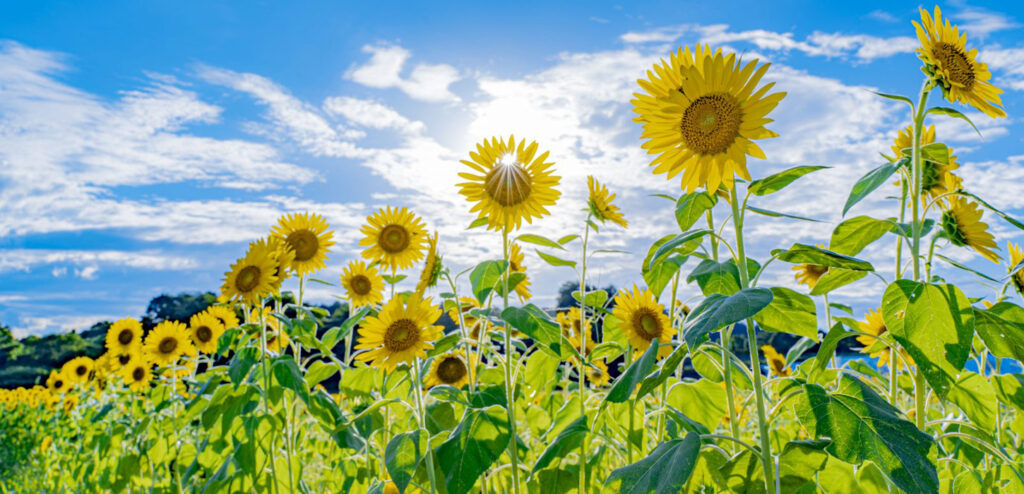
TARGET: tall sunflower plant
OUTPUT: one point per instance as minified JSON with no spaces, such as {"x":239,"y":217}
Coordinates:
{"x":434,"y":380}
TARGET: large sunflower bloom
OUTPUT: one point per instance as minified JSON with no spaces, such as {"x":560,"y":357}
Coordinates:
{"x":78,"y":370}
{"x":956,"y":70}
{"x":600,"y":203}
{"x":665,"y":77}
{"x":431,"y":266}
{"x":205,"y":329}
{"x":643,"y":319}
{"x":363,"y":285}
{"x":167,"y":342}
{"x":138,"y":373}
{"x":307,"y":235}
{"x":515,"y":265}
{"x":874,"y":326}
{"x":1016,"y":256}
{"x":277,"y":337}
{"x":705,"y":129}
{"x":936,"y":178}
{"x":449,"y":368}
{"x":125,"y":335}
{"x":394,"y":236}
{"x":776,"y":362}
{"x":509,"y":182}
{"x":400,"y":333}
{"x":251,"y":278}
{"x":962,"y":223}
{"x":284,"y":258}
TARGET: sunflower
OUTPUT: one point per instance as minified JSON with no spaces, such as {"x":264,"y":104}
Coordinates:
{"x":643,"y":319}
{"x":509,"y":182}
{"x":363,"y":285}
{"x":307,"y":236}
{"x":400,"y":333}
{"x":597,"y":375}
{"x":953,"y":68}
{"x":277,"y":337}
{"x":776,"y":362}
{"x":394,"y":237}
{"x":124,"y":335}
{"x":809,"y":274}
{"x":251,"y":278}
{"x":936,"y":178}
{"x":1016,"y":256}
{"x":226,"y":315}
{"x":962,"y":223}
{"x":704,"y":129}
{"x":284,"y":258}
{"x":205,"y":329}
{"x":449,"y":368}
{"x":600,"y":203}
{"x":119,"y":360}
{"x":57,"y":381}
{"x":665,"y":78}
{"x":78,"y":370}
{"x":431,"y":267}
{"x":138,"y":373}
{"x":573,"y":329}
{"x":515,"y":265}
{"x":168,"y":341}
{"x":874,"y":326}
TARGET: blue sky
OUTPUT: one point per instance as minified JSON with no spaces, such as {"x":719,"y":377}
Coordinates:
{"x":143,"y":144}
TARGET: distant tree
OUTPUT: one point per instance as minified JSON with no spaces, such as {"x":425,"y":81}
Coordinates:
{"x":566,"y":300}
{"x":178,"y":307}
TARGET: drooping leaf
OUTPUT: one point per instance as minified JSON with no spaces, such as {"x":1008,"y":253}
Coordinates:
{"x":555,"y":261}
{"x":718,"y":311}
{"x":664,"y":471}
{"x":863,"y":426}
{"x":809,"y":254}
{"x":836,"y":278}
{"x":624,"y":385}
{"x":868,"y":183}
{"x":789,"y":312}
{"x":568,"y":440}
{"x":777,"y":181}
{"x":954,"y":113}
{"x":473,"y":446}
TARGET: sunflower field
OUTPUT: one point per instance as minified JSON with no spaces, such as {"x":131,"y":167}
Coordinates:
{"x":630,"y":392}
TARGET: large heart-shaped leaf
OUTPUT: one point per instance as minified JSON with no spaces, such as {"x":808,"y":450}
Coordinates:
{"x":690,"y":207}
{"x":485,"y":276}
{"x":636,"y":372}
{"x":718,"y":311}
{"x":664,"y":471}
{"x":789,"y":312}
{"x":402,"y":456}
{"x":975,"y":396}
{"x":473,"y":446}
{"x":569,"y":439}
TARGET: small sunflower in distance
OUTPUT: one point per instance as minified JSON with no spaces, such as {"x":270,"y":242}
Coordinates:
{"x":57,"y":381}
{"x":308,"y":237}
{"x":226,"y":315}
{"x":809,"y":274}
{"x":936,"y":178}
{"x":137,"y":374}
{"x":874,"y":326}
{"x":1016,"y":256}
{"x":509,"y":182}
{"x":205,"y":329}
{"x":363,"y":285}
{"x":776,"y":362}
{"x":955,"y":69}
{"x":643,"y":319}
{"x":704,"y":130}
{"x":449,"y":368}
{"x":431,"y":266}
{"x":598,"y":374}
{"x":167,"y":342}
{"x":251,"y":278}
{"x":125,"y":335}
{"x":78,"y":370}
{"x":515,"y":265}
{"x":400,"y":333}
{"x":600,"y":203}
{"x":394,"y":237}
{"x":962,"y":224}
{"x":666,"y":77}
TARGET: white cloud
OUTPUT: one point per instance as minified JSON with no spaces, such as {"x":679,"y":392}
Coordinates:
{"x":980,"y":23}
{"x":371,"y":114}
{"x":881,"y":15}
{"x":87,"y":262}
{"x":384,"y":70}
{"x":1007,"y":64}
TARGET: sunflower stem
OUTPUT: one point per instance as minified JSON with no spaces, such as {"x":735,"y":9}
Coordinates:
{"x":266,"y":392}
{"x":422,"y":416}
{"x":583,"y":350}
{"x":767,"y":460}
{"x":465,"y":335}
{"x":915,"y":246}
{"x":894,"y":369}
{"x":513,"y":448}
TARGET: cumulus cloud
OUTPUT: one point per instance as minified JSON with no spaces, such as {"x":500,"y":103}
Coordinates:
{"x":384,"y":70}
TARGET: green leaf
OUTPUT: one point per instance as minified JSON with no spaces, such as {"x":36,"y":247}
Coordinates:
{"x":896,"y":97}
{"x":975,"y":396}
{"x":720,"y":277}
{"x":676,"y":242}
{"x":660,"y":275}
{"x":776,"y":214}
{"x":595,"y":298}
{"x":1010,"y":390}
{"x":555,"y":261}
{"x":789,"y":312}
{"x":447,"y":342}
{"x":776,"y":182}
{"x":319,"y":371}
{"x":868,"y":183}
{"x":718,"y":311}
{"x":707,"y":361}
{"x":829,"y":344}
{"x":852,"y":235}
{"x":402,"y":457}
{"x":242,"y":363}
{"x":624,"y":385}
{"x":477,"y":223}
{"x":540,"y":366}
{"x":288,"y":375}
{"x":703,"y":401}
{"x":1001,"y":327}
{"x":664,"y":471}
{"x":568,"y":440}
{"x":951,"y":112}
{"x":1009,"y":219}
{"x":691,"y":207}
{"x":809,"y":254}
{"x":965,"y":268}
{"x":568,"y":238}
{"x":539,"y":240}
{"x":658,"y":377}
{"x":863,"y":426}
{"x":485,"y":276}
{"x":937,"y":329}
{"x":836,"y":278}
{"x":473,"y":446}
{"x":538,"y":325}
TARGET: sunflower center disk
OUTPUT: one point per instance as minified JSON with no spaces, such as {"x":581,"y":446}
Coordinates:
{"x":81,"y":370}
{"x":956,"y":64}
{"x":393,"y":239}
{"x":361,"y":285}
{"x":508,"y":184}
{"x":247,"y":279}
{"x":138,"y":373}
{"x":124,"y":359}
{"x":204,"y":334}
{"x":168,"y":345}
{"x":451,"y":370}
{"x":401,"y":335}
{"x":711,"y":123}
{"x":647,"y":325}
{"x":304,"y":243}
{"x":125,"y":336}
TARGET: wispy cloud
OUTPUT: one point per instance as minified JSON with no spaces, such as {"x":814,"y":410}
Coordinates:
{"x":384,"y":70}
